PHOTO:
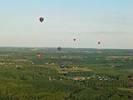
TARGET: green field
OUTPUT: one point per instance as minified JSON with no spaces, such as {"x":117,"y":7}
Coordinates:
{"x":70,"y":74}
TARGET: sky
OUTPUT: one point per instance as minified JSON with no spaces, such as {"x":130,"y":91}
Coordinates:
{"x":89,"y":21}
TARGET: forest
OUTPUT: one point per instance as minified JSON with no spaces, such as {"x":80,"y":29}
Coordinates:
{"x":67,"y":74}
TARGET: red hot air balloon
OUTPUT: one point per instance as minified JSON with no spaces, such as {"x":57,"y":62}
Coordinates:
{"x":41,"y":19}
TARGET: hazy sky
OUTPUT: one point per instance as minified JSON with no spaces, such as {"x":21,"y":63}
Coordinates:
{"x":89,"y":21}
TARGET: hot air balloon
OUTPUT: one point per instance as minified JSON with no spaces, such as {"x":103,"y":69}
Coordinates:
{"x":99,"y":42}
{"x":59,"y":48}
{"x":74,"y":39}
{"x":41,"y":19}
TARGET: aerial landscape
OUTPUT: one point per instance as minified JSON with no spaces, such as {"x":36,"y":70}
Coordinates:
{"x":66,"y":50}
{"x":69,"y":74}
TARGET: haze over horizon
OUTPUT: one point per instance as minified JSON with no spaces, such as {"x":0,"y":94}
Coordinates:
{"x":88,"y":21}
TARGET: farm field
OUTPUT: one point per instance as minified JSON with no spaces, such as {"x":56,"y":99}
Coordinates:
{"x":69,"y":74}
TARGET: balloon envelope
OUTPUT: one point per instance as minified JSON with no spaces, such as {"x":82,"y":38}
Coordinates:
{"x":41,"y":19}
{"x":59,"y":48}
{"x":74,"y":40}
{"x":99,"y":42}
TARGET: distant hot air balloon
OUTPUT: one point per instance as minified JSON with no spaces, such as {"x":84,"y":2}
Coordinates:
{"x":59,"y":48}
{"x":41,"y":19}
{"x":99,"y":42}
{"x":74,"y":39}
